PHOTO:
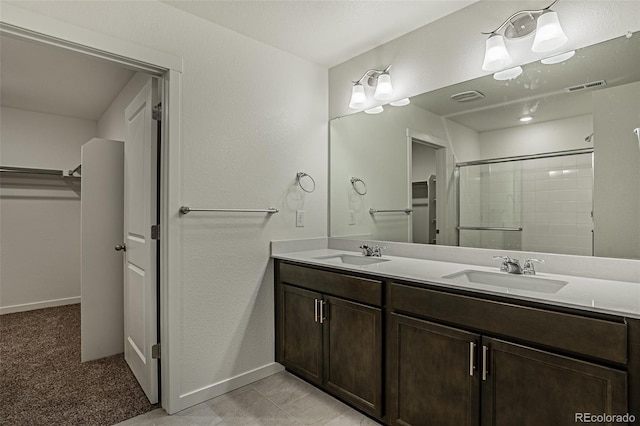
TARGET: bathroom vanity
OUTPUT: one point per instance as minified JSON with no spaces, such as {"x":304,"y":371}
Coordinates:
{"x":408,"y":347}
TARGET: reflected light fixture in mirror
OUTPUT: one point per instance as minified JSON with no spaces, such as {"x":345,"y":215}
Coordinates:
{"x":380,"y":79}
{"x":400,"y":102}
{"x":374,"y":110}
{"x":508,"y":74}
{"x":556,"y":59}
{"x":545,"y":23}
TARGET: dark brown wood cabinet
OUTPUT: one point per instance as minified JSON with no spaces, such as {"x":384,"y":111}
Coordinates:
{"x":434,"y":378}
{"x":517,"y":384}
{"x":301,"y":337}
{"x":530,"y":387}
{"x":333,"y":342}
{"x":452,"y":358}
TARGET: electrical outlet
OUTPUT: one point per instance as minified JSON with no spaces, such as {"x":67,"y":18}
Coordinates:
{"x":300,"y":218}
{"x":352,"y":217}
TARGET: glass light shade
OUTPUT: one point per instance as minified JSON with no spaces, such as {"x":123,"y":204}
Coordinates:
{"x":509,"y":74}
{"x":384,"y":90}
{"x":496,"y":55}
{"x":526,"y":119}
{"x":358,"y":97}
{"x":400,"y":102}
{"x":556,"y":59}
{"x":549,"y":34}
{"x":374,"y":110}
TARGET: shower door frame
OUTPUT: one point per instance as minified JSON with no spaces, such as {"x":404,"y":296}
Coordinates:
{"x":507,"y":160}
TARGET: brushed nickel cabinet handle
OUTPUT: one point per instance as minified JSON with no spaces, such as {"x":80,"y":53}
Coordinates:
{"x":472,"y":350}
{"x":315,"y":309}
{"x":484,"y":362}
{"x":322,"y":318}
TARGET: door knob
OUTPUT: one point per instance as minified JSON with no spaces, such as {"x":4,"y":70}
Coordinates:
{"x":121,"y":247}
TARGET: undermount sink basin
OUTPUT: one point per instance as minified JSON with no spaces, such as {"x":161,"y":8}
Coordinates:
{"x":503,"y":279}
{"x":351,"y":259}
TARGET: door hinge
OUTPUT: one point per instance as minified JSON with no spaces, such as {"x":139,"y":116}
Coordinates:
{"x":156,"y":112}
{"x":155,"y":351}
{"x":155,"y":232}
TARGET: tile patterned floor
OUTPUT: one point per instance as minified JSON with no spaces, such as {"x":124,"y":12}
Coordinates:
{"x":278,"y":400}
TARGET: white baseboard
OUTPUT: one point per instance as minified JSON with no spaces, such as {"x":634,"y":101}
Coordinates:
{"x":39,"y":305}
{"x":197,"y":396}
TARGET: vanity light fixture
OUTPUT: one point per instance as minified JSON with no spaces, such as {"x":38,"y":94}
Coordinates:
{"x":556,"y":59}
{"x":508,"y":74}
{"x":400,"y":102}
{"x":375,"y":110}
{"x":380,"y":79}
{"x":545,"y":23}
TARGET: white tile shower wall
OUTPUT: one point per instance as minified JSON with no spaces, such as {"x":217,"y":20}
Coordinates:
{"x":557,"y":203}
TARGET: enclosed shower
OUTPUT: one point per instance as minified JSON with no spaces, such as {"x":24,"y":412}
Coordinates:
{"x":540,"y":203}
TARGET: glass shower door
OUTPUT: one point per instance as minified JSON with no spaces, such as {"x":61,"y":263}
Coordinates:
{"x":490,"y":205}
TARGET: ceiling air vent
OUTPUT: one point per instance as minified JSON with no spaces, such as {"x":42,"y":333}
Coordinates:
{"x":586,"y":86}
{"x":470,"y":95}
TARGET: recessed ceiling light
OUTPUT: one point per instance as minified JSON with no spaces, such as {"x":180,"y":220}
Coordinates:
{"x":374,"y":110}
{"x":509,"y":74}
{"x":556,"y":59}
{"x":400,"y":102}
{"x":526,"y":119}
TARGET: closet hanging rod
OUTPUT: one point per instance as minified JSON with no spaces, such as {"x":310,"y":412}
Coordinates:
{"x":374,"y":211}
{"x":27,"y":170}
{"x":187,"y":209}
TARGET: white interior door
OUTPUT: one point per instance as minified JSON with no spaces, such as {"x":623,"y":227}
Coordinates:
{"x":140,"y":309}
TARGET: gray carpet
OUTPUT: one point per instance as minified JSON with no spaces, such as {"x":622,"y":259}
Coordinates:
{"x":42,"y":381}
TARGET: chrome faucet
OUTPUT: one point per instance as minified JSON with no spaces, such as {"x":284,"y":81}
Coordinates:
{"x":528,"y":268}
{"x":375,"y":251}
{"x":510,"y":265}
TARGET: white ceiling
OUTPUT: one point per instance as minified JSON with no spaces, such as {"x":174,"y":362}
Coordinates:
{"x":43,"y":78}
{"x":325,"y":32}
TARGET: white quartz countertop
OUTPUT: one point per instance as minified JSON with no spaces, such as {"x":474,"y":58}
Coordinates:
{"x":595,"y":295}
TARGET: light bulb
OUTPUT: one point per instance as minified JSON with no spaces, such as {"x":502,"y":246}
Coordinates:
{"x":384,"y":90}
{"x":358,"y":98}
{"x":549,"y":34}
{"x":496,"y":55}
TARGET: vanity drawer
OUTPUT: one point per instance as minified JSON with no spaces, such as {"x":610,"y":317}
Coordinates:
{"x":350,"y":287}
{"x":596,"y":338}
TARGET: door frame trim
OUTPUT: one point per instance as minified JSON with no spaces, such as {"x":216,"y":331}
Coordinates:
{"x":24,"y":24}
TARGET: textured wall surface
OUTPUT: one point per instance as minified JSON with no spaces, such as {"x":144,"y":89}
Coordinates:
{"x":40,"y":217}
{"x":252,"y":116}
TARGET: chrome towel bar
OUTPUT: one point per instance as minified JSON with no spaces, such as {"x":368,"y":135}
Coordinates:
{"x":374,"y":211}
{"x":187,"y":209}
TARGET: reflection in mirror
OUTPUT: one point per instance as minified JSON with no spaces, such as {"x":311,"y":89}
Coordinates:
{"x":546,"y":161}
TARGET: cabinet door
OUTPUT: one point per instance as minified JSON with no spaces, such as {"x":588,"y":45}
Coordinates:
{"x":353,"y":353}
{"x":526,"y":386}
{"x":300,"y":333}
{"x":433,"y":374}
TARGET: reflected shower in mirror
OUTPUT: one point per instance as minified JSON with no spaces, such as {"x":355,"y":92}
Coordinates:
{"x":546,"y":161}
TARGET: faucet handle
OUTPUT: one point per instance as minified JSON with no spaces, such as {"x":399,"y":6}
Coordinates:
{"x":528,"y":268}
{"x":505,"y":261}
{"x":377,"y":250}
{"x":365,"y":249}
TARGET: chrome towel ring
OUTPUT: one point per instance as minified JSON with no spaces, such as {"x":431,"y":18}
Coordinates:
{"x":308,"y":186}
{"x":360,"y":189}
